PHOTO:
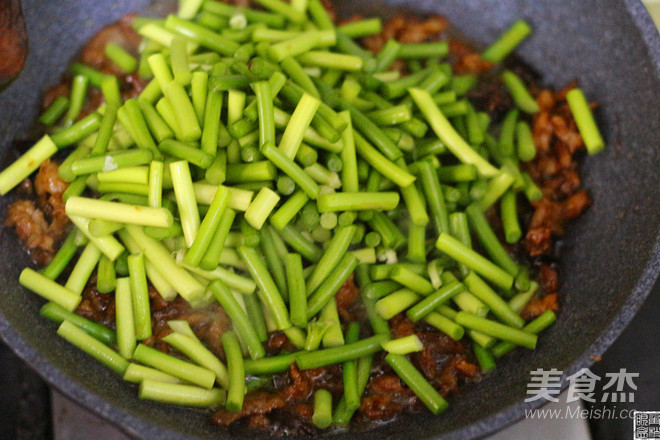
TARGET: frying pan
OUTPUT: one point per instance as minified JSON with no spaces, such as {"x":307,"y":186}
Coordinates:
{"x":610,"y":257}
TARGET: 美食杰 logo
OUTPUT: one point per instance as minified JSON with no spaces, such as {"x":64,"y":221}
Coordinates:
{"x":546,"y":385}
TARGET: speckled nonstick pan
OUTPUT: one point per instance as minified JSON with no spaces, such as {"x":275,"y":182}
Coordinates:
{"x":610,"y":257}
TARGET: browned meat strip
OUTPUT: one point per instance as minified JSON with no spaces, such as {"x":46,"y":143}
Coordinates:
{"x":401,"y":326}
{"x":347,"y":297}
{"x":538,"y":306}
{"x":98,"y":307}
{"x":208,"y":324}
{"x":548,"y":278}
{"x":301,"y":384}
{"x":554,"y":169}
{"x":50,"y":187}
{"x":407,"y":30}
{"x":467,"y":60}
{"x":40,"y":227}
{"x":387,"y":383}
{"x":379,"y":407}
{"x":32,"y":229}
{"x":278,"y":342}
{"x":255,"y":403}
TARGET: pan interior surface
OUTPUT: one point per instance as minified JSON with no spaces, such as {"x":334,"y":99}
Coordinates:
{"x":609,"y":257}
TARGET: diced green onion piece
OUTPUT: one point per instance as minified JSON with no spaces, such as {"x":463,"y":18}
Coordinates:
{"x":507,"y":42}
{"x":344,"y":413}
{"x":26,"y":164}
{"x":333,"y":336}
{"x":531,"y":190}
{"x":330,"y":60}
{"x":536,"y":326}
{"x":584,"y":119}
{"x":49,"y":289}
{"x":58,"y":314}
{"x":350,"y":370}
{"x":78,"y":92}
{"x":173,"y":366}
{"x":184,"y":192}
{"x":63,"y":256}
{"x":361,"y":28}
{"x":178,"y":394}
{"x":119,"y":212}
{"x":315,"y":332}
{"x":208,"y":227}
{"x":519,"y":92}
{"x":295,"y":46}
{"x":290,"y":168}
{"x":111,"y":161}
{"x":497,"y":305}
{"x":201,"y":35}
{"x":519,"y":301}
{"x":333,"y":254}
{"x":110,"y":247}
{"x":270,"y":365}
{"x":322,"y":417}
{"x":411,"y":280}
{"x":484,"y":357}
{"x":415,"y":380}
{"x":403,"y":345}
{"x":54,"y":111}
{"x":396,"y":302}
{"x":437,"y":49}
{"x":268,"y":292}
{"x":297,"y":291}
{"x":358,"y":201}
{"x":137,"y":373}
{"x":157,"y":254}
{"x":93,"y":347}
{"x":431,"y":302}
{"x":298,"y":124}
{"x":83,"y":269}
{"x":335,"y":355}
{"x":509,"y":213}
{"x":497,"y":330}
{"x":331,"y":285}
{"x":121,"y":57}
{"x":159,"y":282}
{"x":445,"y":325}
{"x":139,"y":174}
{"x":193,"y":348}
{"x":446,"y":132}
{"x":489,"y":240}
{"x":236,"y":390}
{"x":476,"y":262}
{"x":140,"y":296}
{"x":261,"y":207}
{"x":526,"y":148}
{"x":106,"y":277}
{"x":126,"y":341}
